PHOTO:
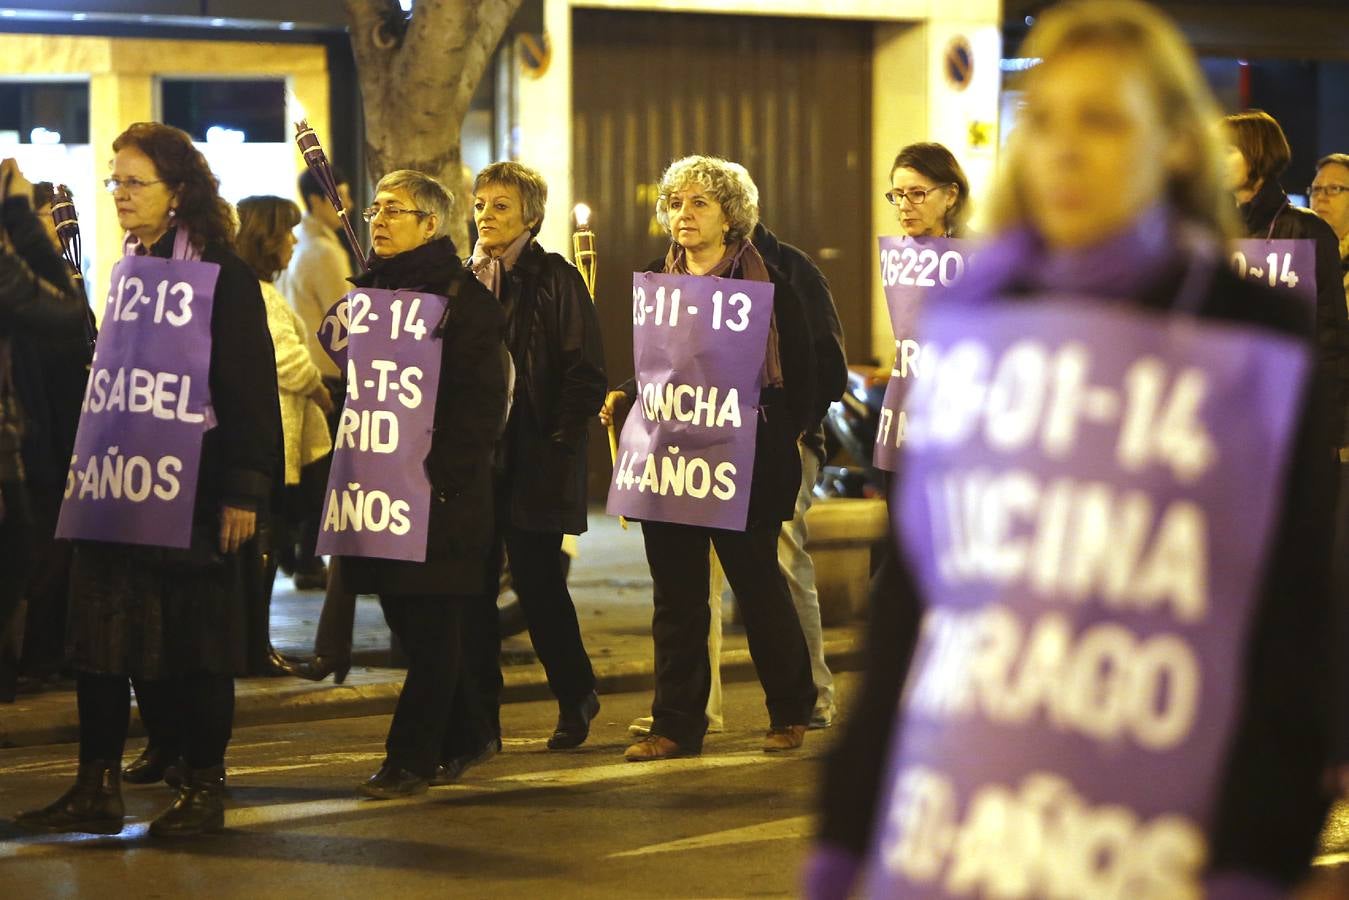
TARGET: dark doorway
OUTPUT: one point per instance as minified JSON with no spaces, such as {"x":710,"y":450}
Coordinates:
{"x":790,"y":99}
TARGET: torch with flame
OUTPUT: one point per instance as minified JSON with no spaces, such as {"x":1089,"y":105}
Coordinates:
{"x":317,"y":161}
{"x":583,"y":254}
{"x":67,"y":229}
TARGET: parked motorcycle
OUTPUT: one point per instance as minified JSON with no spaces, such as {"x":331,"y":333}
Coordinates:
{"x":849,"y":435}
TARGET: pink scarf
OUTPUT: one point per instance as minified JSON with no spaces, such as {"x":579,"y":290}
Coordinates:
{"x":490,"y":270}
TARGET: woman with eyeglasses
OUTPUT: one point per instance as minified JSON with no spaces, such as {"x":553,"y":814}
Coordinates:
{"x":422,"y":601}
{"x":929,"y":192}
{"x":1257,"y":154}
{"x":174,"y":619}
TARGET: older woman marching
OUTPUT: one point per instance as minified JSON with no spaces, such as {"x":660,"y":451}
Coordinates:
{"x":554,"y":338}
{"x":708,"y":206}
{"x":422,"y":601}
{"x":174,"y":619}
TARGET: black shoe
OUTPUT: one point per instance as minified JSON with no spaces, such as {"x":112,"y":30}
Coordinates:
{"x":199,"y":807}
{"x":573,"y":723}
{"x":452,"y":769}
{"x":318,"y":668}
{"x":150,"y":766}
{"x":92,"y":806}
{"x":392,"y":782}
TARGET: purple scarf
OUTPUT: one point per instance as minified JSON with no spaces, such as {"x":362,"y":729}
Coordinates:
{"x":1122,"y":266}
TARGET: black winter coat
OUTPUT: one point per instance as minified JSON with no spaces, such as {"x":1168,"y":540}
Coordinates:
{"x":831,"y":365}
{"x":1271,"y":207}
{"x":1271,"y":803}
{"x":553,"y":334}
{"x":784,"y":413}
{"x":45,"y":312}
{"x":470,"y":407}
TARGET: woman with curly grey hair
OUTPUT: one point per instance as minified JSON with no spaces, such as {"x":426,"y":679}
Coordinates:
{"x":710,"y":207}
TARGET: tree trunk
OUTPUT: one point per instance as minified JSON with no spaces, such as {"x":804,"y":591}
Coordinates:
{"x":417,"y":79}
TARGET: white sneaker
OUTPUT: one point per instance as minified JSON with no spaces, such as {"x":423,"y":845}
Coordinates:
{"x":822,"y":717}
{"x":641,"y":726}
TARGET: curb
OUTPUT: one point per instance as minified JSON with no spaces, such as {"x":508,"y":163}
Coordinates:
{"x":57,"y":722}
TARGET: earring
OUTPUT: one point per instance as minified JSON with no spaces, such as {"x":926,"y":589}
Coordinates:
{"x":173,"y":212}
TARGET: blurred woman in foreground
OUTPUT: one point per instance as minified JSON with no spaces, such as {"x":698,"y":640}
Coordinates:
{"x":1114,"y":191}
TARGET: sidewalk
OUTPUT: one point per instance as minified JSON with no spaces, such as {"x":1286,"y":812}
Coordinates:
{"x":609,"y":582}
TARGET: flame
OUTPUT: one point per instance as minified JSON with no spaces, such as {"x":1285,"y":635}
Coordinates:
{"x":297,"y":110}
{"x":582,"y":214}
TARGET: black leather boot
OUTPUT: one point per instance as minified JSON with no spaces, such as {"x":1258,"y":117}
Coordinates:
{"x":199,"y":807}
{"x":150,"y":766}
{"x":92,"y":806}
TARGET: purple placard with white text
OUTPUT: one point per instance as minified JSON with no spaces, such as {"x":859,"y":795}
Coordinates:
{"x":147,"y":404}
{"x":378,"y":500}
{"x":911,"y":270}
{"x":1086,"y":503}
{"x":686,"y":454}
{"x":1281,"y":264}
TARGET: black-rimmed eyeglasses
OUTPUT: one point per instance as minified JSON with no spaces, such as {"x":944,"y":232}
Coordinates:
{"x":915,"y":196}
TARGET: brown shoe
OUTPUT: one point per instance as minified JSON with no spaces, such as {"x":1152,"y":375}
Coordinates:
{"x":784,"y":737}
{"x":653,"y":747}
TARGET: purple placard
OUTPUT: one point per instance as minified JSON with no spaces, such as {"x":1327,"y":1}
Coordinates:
{"x":1086,"y":503}
{"x":686,"y":454}
{"x":1281,"y":264}
{"x":911,"y":269}
{"x":133,"y":475}
{"x":379,"y":496}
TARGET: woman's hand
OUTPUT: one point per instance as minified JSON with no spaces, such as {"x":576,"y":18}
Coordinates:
{"x":14,"y":182}
{"x":236,"y":527}
{"x":323,"y":398}
{"x":611,"y":402}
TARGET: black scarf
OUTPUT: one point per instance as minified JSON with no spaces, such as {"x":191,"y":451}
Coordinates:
{"x":1258,"y":213}
{"x":430,"y":267}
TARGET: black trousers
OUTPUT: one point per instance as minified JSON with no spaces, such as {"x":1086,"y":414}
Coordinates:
{"x":191,"y":716}
{"x":535,"y":560}
{"x":680,"y":569}
{"x":422,"y":733}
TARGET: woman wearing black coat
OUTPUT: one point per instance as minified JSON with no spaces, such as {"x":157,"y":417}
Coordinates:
{"x":174,"y":620}
{"x":553,"y":335}
{"x":711,"y":206}
{"x":40,"y":311}
{"x":1113,"y":195}
{"x":1257,"y":156}
{"x":422,"y":601}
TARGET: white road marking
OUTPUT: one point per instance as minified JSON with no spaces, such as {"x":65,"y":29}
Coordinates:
{"x":272,"y":814}
{"x":781,"y":830}
{"x":627,"y":770}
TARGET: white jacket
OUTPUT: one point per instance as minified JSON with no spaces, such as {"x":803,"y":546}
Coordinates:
{"x":302,"y":420}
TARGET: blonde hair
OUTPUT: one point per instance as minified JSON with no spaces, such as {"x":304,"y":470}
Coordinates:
{"x":1199,"y":194}
{"x":528,"y":182}
{"x":728,"y":183}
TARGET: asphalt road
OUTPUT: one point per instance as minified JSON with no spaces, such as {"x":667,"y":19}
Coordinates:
{"x":529,"y":823}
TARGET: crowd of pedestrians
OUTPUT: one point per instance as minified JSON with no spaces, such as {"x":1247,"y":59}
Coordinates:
{"x":1119,"y":184}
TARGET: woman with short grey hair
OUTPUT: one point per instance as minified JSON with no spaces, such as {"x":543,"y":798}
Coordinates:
{"x":710,"y":206}
{"x":428,"y":196}
{"x":553,"y":335}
